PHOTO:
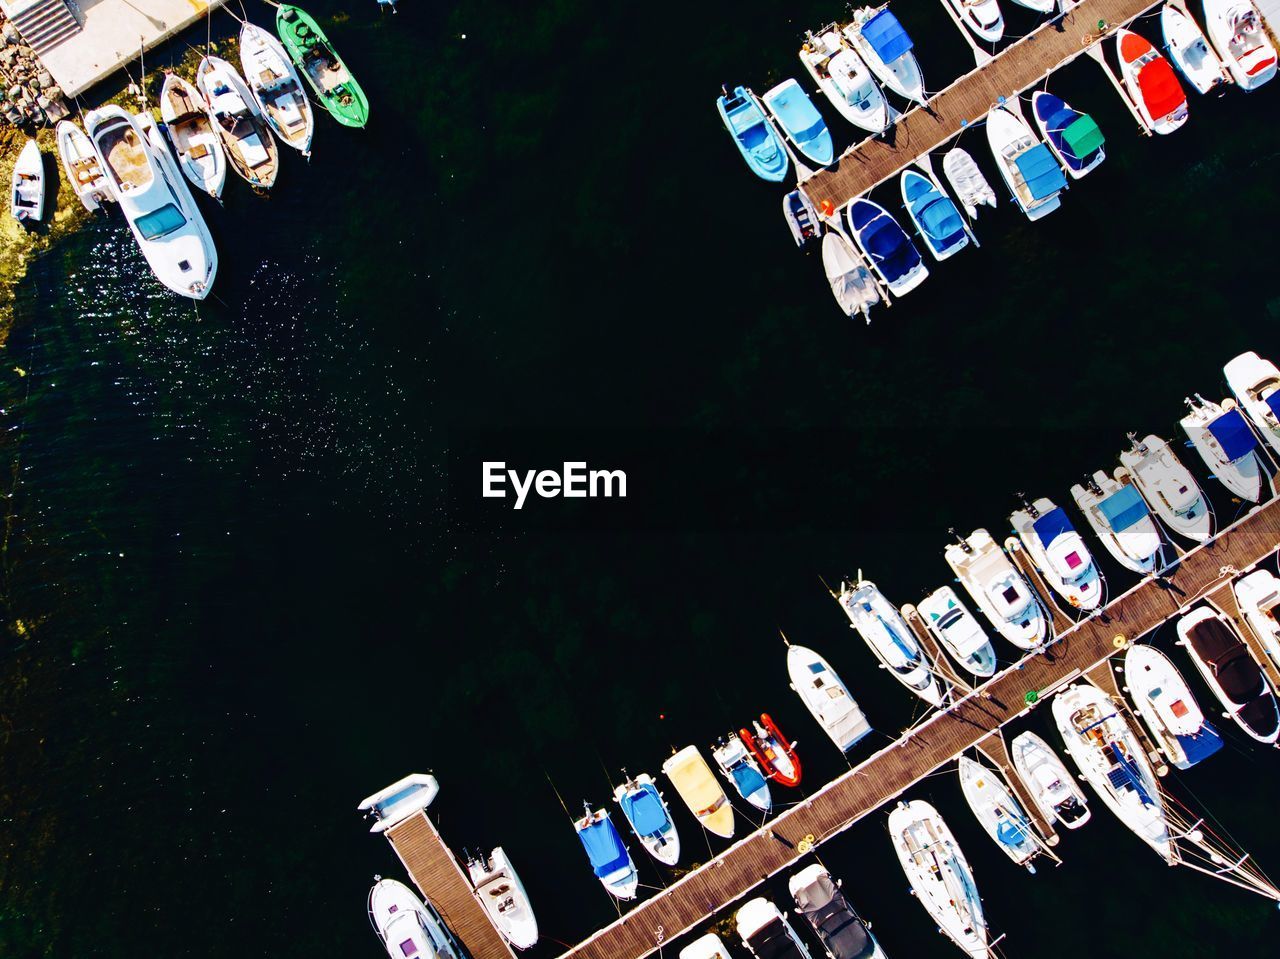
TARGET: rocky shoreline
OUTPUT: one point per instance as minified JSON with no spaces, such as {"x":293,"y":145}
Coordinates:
{"x":31,"y":98}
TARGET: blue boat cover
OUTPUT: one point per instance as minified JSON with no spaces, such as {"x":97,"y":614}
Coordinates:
{"x":893,"y":252}
{"x":1052,"y":525}
{"x":604,"y":847}
{"x":746,"y":779}
{"x":1123,"y":508}
{"x":798,"y":116}
{"x":1011,"y":833}
{"x":1202,"y":745}
{"x":936,"y":214}
{"x":1041,"y":172}
{"x":1233,"y":435}
{"x":1273,"y":402}
{"x":886,"y":36}
{"x":644,"y":809}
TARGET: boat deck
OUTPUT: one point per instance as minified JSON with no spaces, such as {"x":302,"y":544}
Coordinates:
{"x":126,"y":157}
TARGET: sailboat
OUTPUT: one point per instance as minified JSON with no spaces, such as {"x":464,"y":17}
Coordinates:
{"x":773,"y":751}
{"x":607,"y":854}
{"x":935,"y":217}
{"x":235,"y":116}
{"x":885,"y":48}
{"x":697,"y":786}
{"x":826,"y":697}
{"x":85,"y":174}
{"x":1053,"y":789}
{"x":646,"y":811}
{"x":742,"y":771}
{"x":1073,"y":136}
{"x":754,"y":135}
{"x":1227,"y":444}
{"x":886,"y":245}
{"x":1119,"y":517}
{"x":999,"y":813}
{"x":1255,"y":383}
{"x":845,"y":80}
{"x":851,"y":282}
{"x":1189,"y":49}
{"x":800,"y":122}
{"x":276,"y":87}
{"x":502,"y":894}
{"x":967,"y":181}
{"x":1151,"y":83}
{"x":1059,"y":552}
{"x":958,"y":630}
{"x":407,"y":926}
{"x":1231,"y":672}
{"x":890,"y":639}
{"x":1258,"y":595}
{"x":1237,"y":31}
{"x":999,"y":590}
{"x":186,"y":120}
{"x":1027,"y":165}
{"x":1167,"y":486}
{"x":1168,"y":707}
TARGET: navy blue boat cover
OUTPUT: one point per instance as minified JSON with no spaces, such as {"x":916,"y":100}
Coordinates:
{"x":1202,"y":745}
{"x":1273,"y":402}
{"x":889,"y":245}
{"x":644,"y":809}
{"x":604,"y":848}
{"x":1041,"y":172}
{"x":1233,"y":435}
{"x":1124,"y":508}
{"x":1052,"y":525}
{"x":886,"y":36}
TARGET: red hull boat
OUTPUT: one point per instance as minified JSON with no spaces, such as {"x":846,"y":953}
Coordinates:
{"x":775,"y":754}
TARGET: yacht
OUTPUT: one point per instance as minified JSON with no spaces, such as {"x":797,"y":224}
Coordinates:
{"x":1189,"y":49}
{"x":1119,"y":516}
{"x":999,"y":590}
{"x":999,"y":813}
{"x":408,"y":927}
{"x":1052,"y":787}
{"x":1255,"y":383}
{"x":886,"y":246}
{"x":983,"y":17}
{"x":886,"y":49}
{"x":967,"y":181}
{"x":842,"y":932}
{"x":697,"y":786}
{"x":1231,"y":672}
{"x":709,"y":946}
{"x":646,"y":811}
{"x":234,"y":114}
{"x":1029,"y":168}
{"x":1258,"y":595}
{"x":826,"y":697}
{"x":844,"y":79}
{"x":890,"y":639}
{"x":773,"y":751}
{"x":742,"y":771}
{"x":1059,"y":552}
{"x":1151,"y":83}
{"x":766,"y":933}
{"x":502,"y":894}
{"x":1227,"y":444}
{"x":1168,"y":707}
{"x":607,"y":854}
{"x":1074,"y":137}
{"x":934,"y":216}
{"x":958,"y":630}
{"x":393,"y":805}
{"x":1167,"y":486}
{"x":1237,"y":31}
{"x":851,"y":283}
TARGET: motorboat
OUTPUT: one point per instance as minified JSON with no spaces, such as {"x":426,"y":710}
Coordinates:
{"x":1074,"y":137}
{"x":1189,"y":50}
{"x":851,"y":282}
{"x":886,"y":245}
{"x":1238,"y":34}
{"x":773,"y":751}
{"x":276,"y":88}
{"x":939,"y":874}
{"x":958,"y":630}
{"x":826,"y":697}
{"x":697,"y":786}
{"x":800,"y":122}
{"x":967,"y":181}
{"x":885,"y":48}
{"x":890,"y":639}
{"x":766,"y":932}
{"x":199,"y":148}
{"x":1041,"y":6}
{"x":1168,"y":707}
{"x":842,"y":932}
{"x":709,"y":946}
{"x":845,"y":80}
{"x":314,"y":55}
{"x":1231,"y":671}
{"x":982,"y":17}
{"x":1255,"y":383}
{"x":1167,"y":486}
{"x":1059,"y":552}
{"x":1151,"y":83}
{"x":801,"y":217}
{"x":607,"y":854}
{"x":1051,"y":786}
{"x":935,"y":217}
{"x":84,"y":171}
{"x":999,"y":813}
{"x":396,"y":803}
{"x":1227,"y":444}
{"x":1027,"y":165}
{"x":998,"y":589}
{"x":26,"y":201}
{"x":742,"y":771}
{"x":1258,"y":596}
{"x":757,"y":140}
{"x":408,"y":927}
{"x":234,"y":114}
{"x":502,"y":894}
{"x":1119,"y":517}
{"x":646,"y":811}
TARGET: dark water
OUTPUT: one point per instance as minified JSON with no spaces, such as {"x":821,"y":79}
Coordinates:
{"x":252,"y":578}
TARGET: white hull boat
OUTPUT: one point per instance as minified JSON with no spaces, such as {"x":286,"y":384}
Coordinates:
{"x":1227,"y":444}
{"x":234,"y":114}
{"x":1236,"y":29}
{"x":276,"y":88}
{"x":646,"y":811}
{"x":607,"y":854}
{"x":886,"y":50}
{"x":1255,"y":383}
{"x":1228,"y":667}
{"x":890,"y":639}
{"x":26,"y":199}
{"x":1258,"y":596}
{"x":1189,"y":49}
{"x":502,"y":894}
{"x":967,"y":181}
{"x":1060,"y":553}
{"x":982,"y":17}
{"x":407,"y":926}
{"x":199,"y":149}
{"x":1028,"y":167}
{"x":998,"y":589}
{"x":1168,"y":707}
{"x":958,"y":630}
{"x":88,"y":180}
{"x":886,"y":246}
{"x":842,"y":932}
{"x":1052,"y":787}
{"x":709,"y":946}
{"x":999,"y":813}
{"x":845,"y":80}
{"x":766,"y":933}
{"x":742,"y":771}
{"x":1039,"y":6}
{"x":1152,"y":85}
{"x":1118,"y":515}
{"x":1167,"y":486}
{"x":801,"y":217}
{"x":397,"y":802}
{"x":851,"y":282}
{"x":826,"y":697}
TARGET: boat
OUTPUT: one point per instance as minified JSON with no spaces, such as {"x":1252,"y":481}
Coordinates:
{"x":958,"y":630}
{"x":939,"y":874}
{"x":743,"y":772}
{"x":1258,"y":596}
{"x":835,"y":923}
{"x":982,"y":17}
{"x":1255,"y":383}
{"x":1073,"y":136}
{"x":885,"y":48}
{"x":886,"y":245}
{"x":502,"y":894}
{"x":845,"y":80}
{"x":1168,"y":707}
{"x":999,"y":813}
{"x":757,"y":140}
{"x":766,"y":933}
{"x":935,"y":217}
{"x":1040,"y":6}
{"x":246,"y":139}
{"x":393,"y":805}
{"x":607,"y":854}
{"x":317,"y":60}
{"x":967,"y":181}
{"x":998,"y":589}
{"x":27,"y":200}
{"x":1027,"y":165}
{"x":801,"y":217}
{"x":199,"y":148}
{"x":1120,"y":519}
{"x":155,"y":201}
{"x":1238,"y":34}
{"x":650,"y":819}
{"x":1167,"y":486}
{"x":1151,"y":83}
{"x":709,"y":946}
{"x":697,"y":786}
{"x":1059,"y":552}
{"x":276,"y":87}
{"x":1052,"y":788}
{"x":1189,"y":50}
{"x":890,"y":639}
{"x":1231,"y":672}
{"x":1227,"y":444}
{"x":851,"y":283}
{"x":407,"y":926}
{"x":84,"y":172}
{"x":1107,"y":751}
{"x":773,"y":751}
{"x":826,"y":697}
{"x":800,"y":122}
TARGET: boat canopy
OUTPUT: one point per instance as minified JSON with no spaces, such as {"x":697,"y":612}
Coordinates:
{"x":1040,"y":171}
{"x":889,"y":246}
{"x":1160,"y":88}
{"x":796,"y":112}
{"x":1011,"y":833}
{"x":1200,"y":745}
{"x":936,"y":214}
{"x":604,"y":847}
{"x":1273,"y":403}
{"x":1052,"y":525}
{"x":1082,"y":136}
{"x":1123,"y":509}
{"x":644,"y":809}
{"x":1233,"y":435}
{"x":747,"y":780}
{"x":886,"y":36}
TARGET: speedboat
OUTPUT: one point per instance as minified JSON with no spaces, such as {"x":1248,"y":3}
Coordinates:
{"x":1258,"y":596}
{"x":958,"y":630}
{"x":1052,"y":788}
{"x":1109,"y":754}
{"x":1167,"y":486}
{"x":235,"y":115}
{"x":1151,"y":83}
{"x":890,"y":639}
{"x":1229,"y":668}
{"x":1227,"y":444}
{"x":842,"y":932}
{"x":743,"y":772}
{"x":757,"y":140}
{"x":1168,"y":707}
{"x":393,"y":805}
{"x":939,"y":874}
{"x":766,"y":933}
{"x":607,"y":854}
{"x":1119,"y":517}
{"x":967,"y":181}
{"x":1189,"y":49}
{"x":999,"y":813}
{"x":84,"y":172}
{"x":1059,"y":552}
{"x":502,"y":894}
{"x":845,"y":80}
{"x":983,"y":17}
{"x":773,"y":751}
{"x":801,"y":217}
{"x":26,"y":202}
{"x":1027,"y":165}
{"x":1073,"y":136}
{"x":186,"y":120}
{"x":155,"y":201}
{"x":886,"y":245}
{"x":851,"y":283}
{"x":1001,"y":593}
{"x":800,"y":122}
{"x":826,"y":697}
{"x":1237,"y":32}
{"x":276,"y":88}
{"x":407,"y":926}
{"x":697,"y":786}
{"x":1255,"y":383}
{"x":886,"y":50}
{"x":650,"y":819}
{"x":935,"y":217}
{"x":709,"y":946}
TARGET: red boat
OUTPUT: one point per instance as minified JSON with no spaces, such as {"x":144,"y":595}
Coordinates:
{"x":776,"y":756}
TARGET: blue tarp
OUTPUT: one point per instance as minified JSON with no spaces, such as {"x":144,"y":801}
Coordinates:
{"x":1233,"y":435}
{"x":886,"y":36}
{"x":1123,"y":509}
{"x":746,"y":779}
{"x":1041,"y":172}
{"x":1273,"y":402}
{"x":1011,"y":833}
{"x":1052,"y":525}
{"x":940,"y":219}
{"x":604,"y":848}
{"x":1202,"y":745}
{"x":644,"y":809}
{"x":889,"y":247}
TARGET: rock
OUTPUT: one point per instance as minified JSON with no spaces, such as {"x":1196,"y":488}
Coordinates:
{"x":14,"y":92}
{"x":8,"y":55}
{"x":45,"y":79}
{"x":10,"y":33}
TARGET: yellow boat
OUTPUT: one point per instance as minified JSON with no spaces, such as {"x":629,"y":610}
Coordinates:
{"x":700,"y":790}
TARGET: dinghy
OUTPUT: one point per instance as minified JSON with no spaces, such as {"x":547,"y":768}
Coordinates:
{"x":1167,"y":486}
{"x":766,"y":933}
{"x":1168,"y":708}
{"x":890,"y":639}
{"x":967,"y":181}
{"x":502,"y":894}
{"x":845,"y":80}
{"x":407,"y":926}
{"x":650,"y":819}
{"x":851,"y":282}
{"x":773,"y":751}
{"x":607,"y":854}
{"x":186,"y":120}
{"x":396,"y":803}
{"x":1073,"y":136}
{"x":802,"y":218}
{"x":1255,"y":383}
{"x":27,"y":199}
{"x":826,"y":697}
{"x":697,"y":786}
{"x":1052,"y":787}
{"x":958,"y":631}
{"x":935,"y":217}
{"x":234,"y":114}
{"x":709,"y":946}
{"x":1189,"y":50}
{"x":1240,"y":37}
{"x":800,"y":122}
{"x":885,"y":48}
{"x":1227,"y":444}
{"x":276,"y":87}
{"x":1151,"y":83}
{"x":1027,"y":165}
{"x":743,"y":772}
{"x":998,"y":589}
{"x":85,"y":174}
{"x":982,"y":17}
{"x":886,"y":245}
{"x":999,"y":813}
{"x":316,"y":59}
{"x":1258,"y":596}
{"x":1231,"y":672}
{"x":842,"y":932}
{"x":1059,"y":552}
{"x":757,"y":140}
{"x":1119,"y":517}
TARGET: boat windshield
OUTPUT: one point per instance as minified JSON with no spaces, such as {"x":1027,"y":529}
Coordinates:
{"x":160,"y":222}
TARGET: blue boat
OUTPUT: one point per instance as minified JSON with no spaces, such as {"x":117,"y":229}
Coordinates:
{"x":757,"y":140}
{"x":609,"y":858}
{"x":936,"y":218}
{"x":1072,"y":135}
{"x":800,"y":122}
{"x":649,"y":817}
{"x":891,"y":252}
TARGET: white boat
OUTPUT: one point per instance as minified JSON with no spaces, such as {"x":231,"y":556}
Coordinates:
{"x":610,"y":861}
{"x":845,"y":80}
{"x":886,"y":49}
{"x":967,"y":181}
{"x":1255,"y":383}
{"x":646,"y":811}
{"x":397,"y":802}
{"x":1168,"y":707}
{"x":1151,"y":83}
{"x":407,"y":926}
{"x":1231,"y":672}
{"x":1052,"y":787}
{"x":1227,"y":444}
{"x":842,"y":932}
{"x":1118,"y":515}
{"x":766,"y":932}
{"x":743,"y":772}
{"x":1189,"y":49}
{"x":958,"y":630}
{"x":982,"y":17}
{"x":1258,"y":595}
{"x":199,"y":149}
{"x":939,"y":874}
{"x":890,"y":639}
{"x":235,"y":116}
{"x":851,"y":282}
{"x":1109,"y":754}
{"x":1167,"y":486}
{"x":1059,"y":552}
{"x":885,"y":245}
{"x":276,"y":87}
{"x":1238,"y":33}
{"x":999,"y":813}
{"x":709,"y":946}
{"x":697,"y":786}
{"x":502,"y":894}
{"x":999,"y":590}
{"x":26,"y":200}
{"x":155,"y":200}
{"x":1074,"y":137}
{"x":1028,"y":166}
{"x":1039,"y":6}
{"x":802,"y":218}
{"x":85,"y":174}
{"x":826,"y":697}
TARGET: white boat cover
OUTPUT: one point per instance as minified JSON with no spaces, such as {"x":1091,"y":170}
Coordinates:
{"x":967,"y":180}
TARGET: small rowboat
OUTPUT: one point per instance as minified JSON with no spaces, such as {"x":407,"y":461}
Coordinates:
{"x":27,"y":199}
{"x":775,"y":754}
{"x":315,"y":58}
{"x":84,"y":172}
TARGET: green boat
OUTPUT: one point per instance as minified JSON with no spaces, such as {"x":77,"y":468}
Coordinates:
{"x":314,"y":55}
